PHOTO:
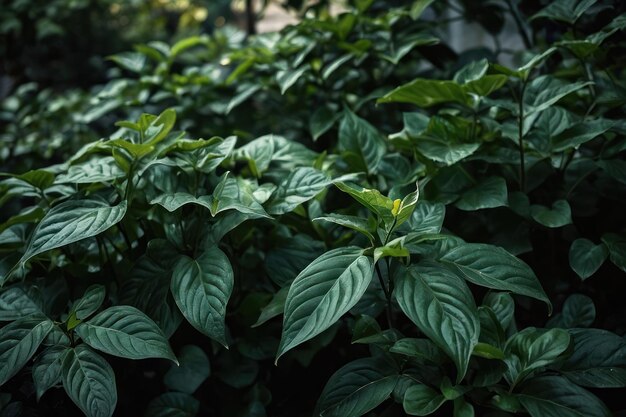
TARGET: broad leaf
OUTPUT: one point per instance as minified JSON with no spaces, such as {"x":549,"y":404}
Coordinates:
{"x":442,"y":307}
{"x":421,"y":400}
{"x":362,"y":145}
{"x":357,"y":388}
{"x":427,"y":218}
{"x":488,"y":193}
{"x":359,"y":224}
{"x":426,"y":93}
{"x":16,"y":302}
{"x":324,"y":291}
{"x":173,"y":404}
{"x":558,"y":216}
{"x":89,"y":381}
{"x":91,"y":301}
{"x":598,"y":359}
{"x":126,"y":332}
{"x":578,"y":311}
{"x":201,"y":288}
{"x":553,"y":396}
{"x":70,"y":222}
{"x":19,"y":342}
{"x":193,"y":370}
{"x":47,"y":368}
{"x":300,"y":186}
{"x":493,"y":267}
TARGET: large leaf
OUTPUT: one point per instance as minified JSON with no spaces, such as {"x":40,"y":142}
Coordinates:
{"x":357,"y":388}
{"x":173,"y":404}
{"x":493,"y":267}
{"x":201,"y":288}
{"x":362,"y":144}
{"x":532,"y":349}
{"x":598,"y":359}
{"x":300,"y":186}
{"x":90,"y":382}
{"x":324,"y":291}
{"x":126,"y":332}
{"x":442,"y":307}
{"x":70,"y":222}
{"x":19,"y":342}
{"x":585,"y":258}
{"x":47,"y":368}
{"x":16,"y":302}
{"x":427,"y":218}
{"x":553,"y":396}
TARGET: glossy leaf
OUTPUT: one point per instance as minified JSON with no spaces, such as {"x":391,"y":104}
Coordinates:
{"x":90,"y":382}
{"x":19,"y":341}
{"x":201,"y":288}
{"x":126,"y":332}
{"x":47,"y":368}
{"x":421,"y":400}
{"x":323,"y":292}
{"x":442,"y":307}
{"x":91,"y":301}
{"x":361,"y":143}
{"x":300,"y":186}
{"x":585,"y":258}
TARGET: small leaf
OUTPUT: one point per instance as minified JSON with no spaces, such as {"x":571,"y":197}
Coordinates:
{"x":421,"y":400}
{"x":558,"y":216}
{"x":585,"y":258}
{"x":126,"y":332}
{"x":323,"y":292}
{"x":321,"y":121}
{"x":371,"y":199}
{"x":426,"y":93}
{"x":287,"y":78}
{"x":352,"y":222}
{"x":193,"y":370}
{"x":274,"y":308}
{"x":91,"y":301}
{"x":90,"y":382}
{"x":201,"y":288}
{"x":578,"y":311}
{"x":173,"y":404}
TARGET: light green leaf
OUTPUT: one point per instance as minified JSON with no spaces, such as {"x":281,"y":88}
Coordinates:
{"x":371,"y":199}
{"x":598,"y":359}
{"x":493,"y":267}
{"x":323,"y":292}
{"x":442,"y":307}
{"x":186,"y":43}
{"x":126,"y":332}
{"x":19,"y":341}
{"x":532,"y":349}
{"x":89,"y":381}
{"x":193,"y":370}
{"x":585,"y":258}
{"x":70,"y":222}
{"x":173,"y":404}
{"x":201,"y":288}
{"x":421,"y":400}
{"x":554,"y":396}
{"x":426,"y":93}
{"x":356,"y":388}
{"x":558,"y":216}
{"x":287,"y":78}
{"x":131,"y":61}
{"x":361,"y":144}
{"x":488,"y":193}
{"x":47,"y":368}
{"x":300,"y":186}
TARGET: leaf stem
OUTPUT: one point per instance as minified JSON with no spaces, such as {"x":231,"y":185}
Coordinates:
{"x":387,"y":296}
{"x":520,"y":133}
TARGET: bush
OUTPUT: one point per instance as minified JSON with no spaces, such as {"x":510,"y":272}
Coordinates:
{"x":451,"y":244}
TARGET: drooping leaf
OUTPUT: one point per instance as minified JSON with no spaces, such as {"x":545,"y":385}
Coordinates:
{"x":274,"y":308}
{"x":19,"y":341}
{"x":493,"y":267}
{"x":324,"y":291}
{"x":426,"y":93}
{"x":421,"y":400}
{"x":442,"y":307}
{"x":359,"y":224}
{"x":371,"y":199}
{"x":489,"y":193}
{"x":126,"y":332}
{"x":89,"y":381}
{"x":357,"y":388}
{"x":598,"y":359}
{"x":201,"y":288}
{"x":554,"y":396}
{"x":70,"y":222}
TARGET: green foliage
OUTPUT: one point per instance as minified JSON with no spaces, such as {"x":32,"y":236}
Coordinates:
{"x":439,"y":250}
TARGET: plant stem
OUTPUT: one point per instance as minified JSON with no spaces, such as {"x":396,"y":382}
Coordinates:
{"x":387,"y":296}
{"x":520,"y":133}
{"x":519,"y":24}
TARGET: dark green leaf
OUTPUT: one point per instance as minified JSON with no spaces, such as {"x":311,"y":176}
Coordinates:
{"x":19,"y":341}
{"x":585,"y":258}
